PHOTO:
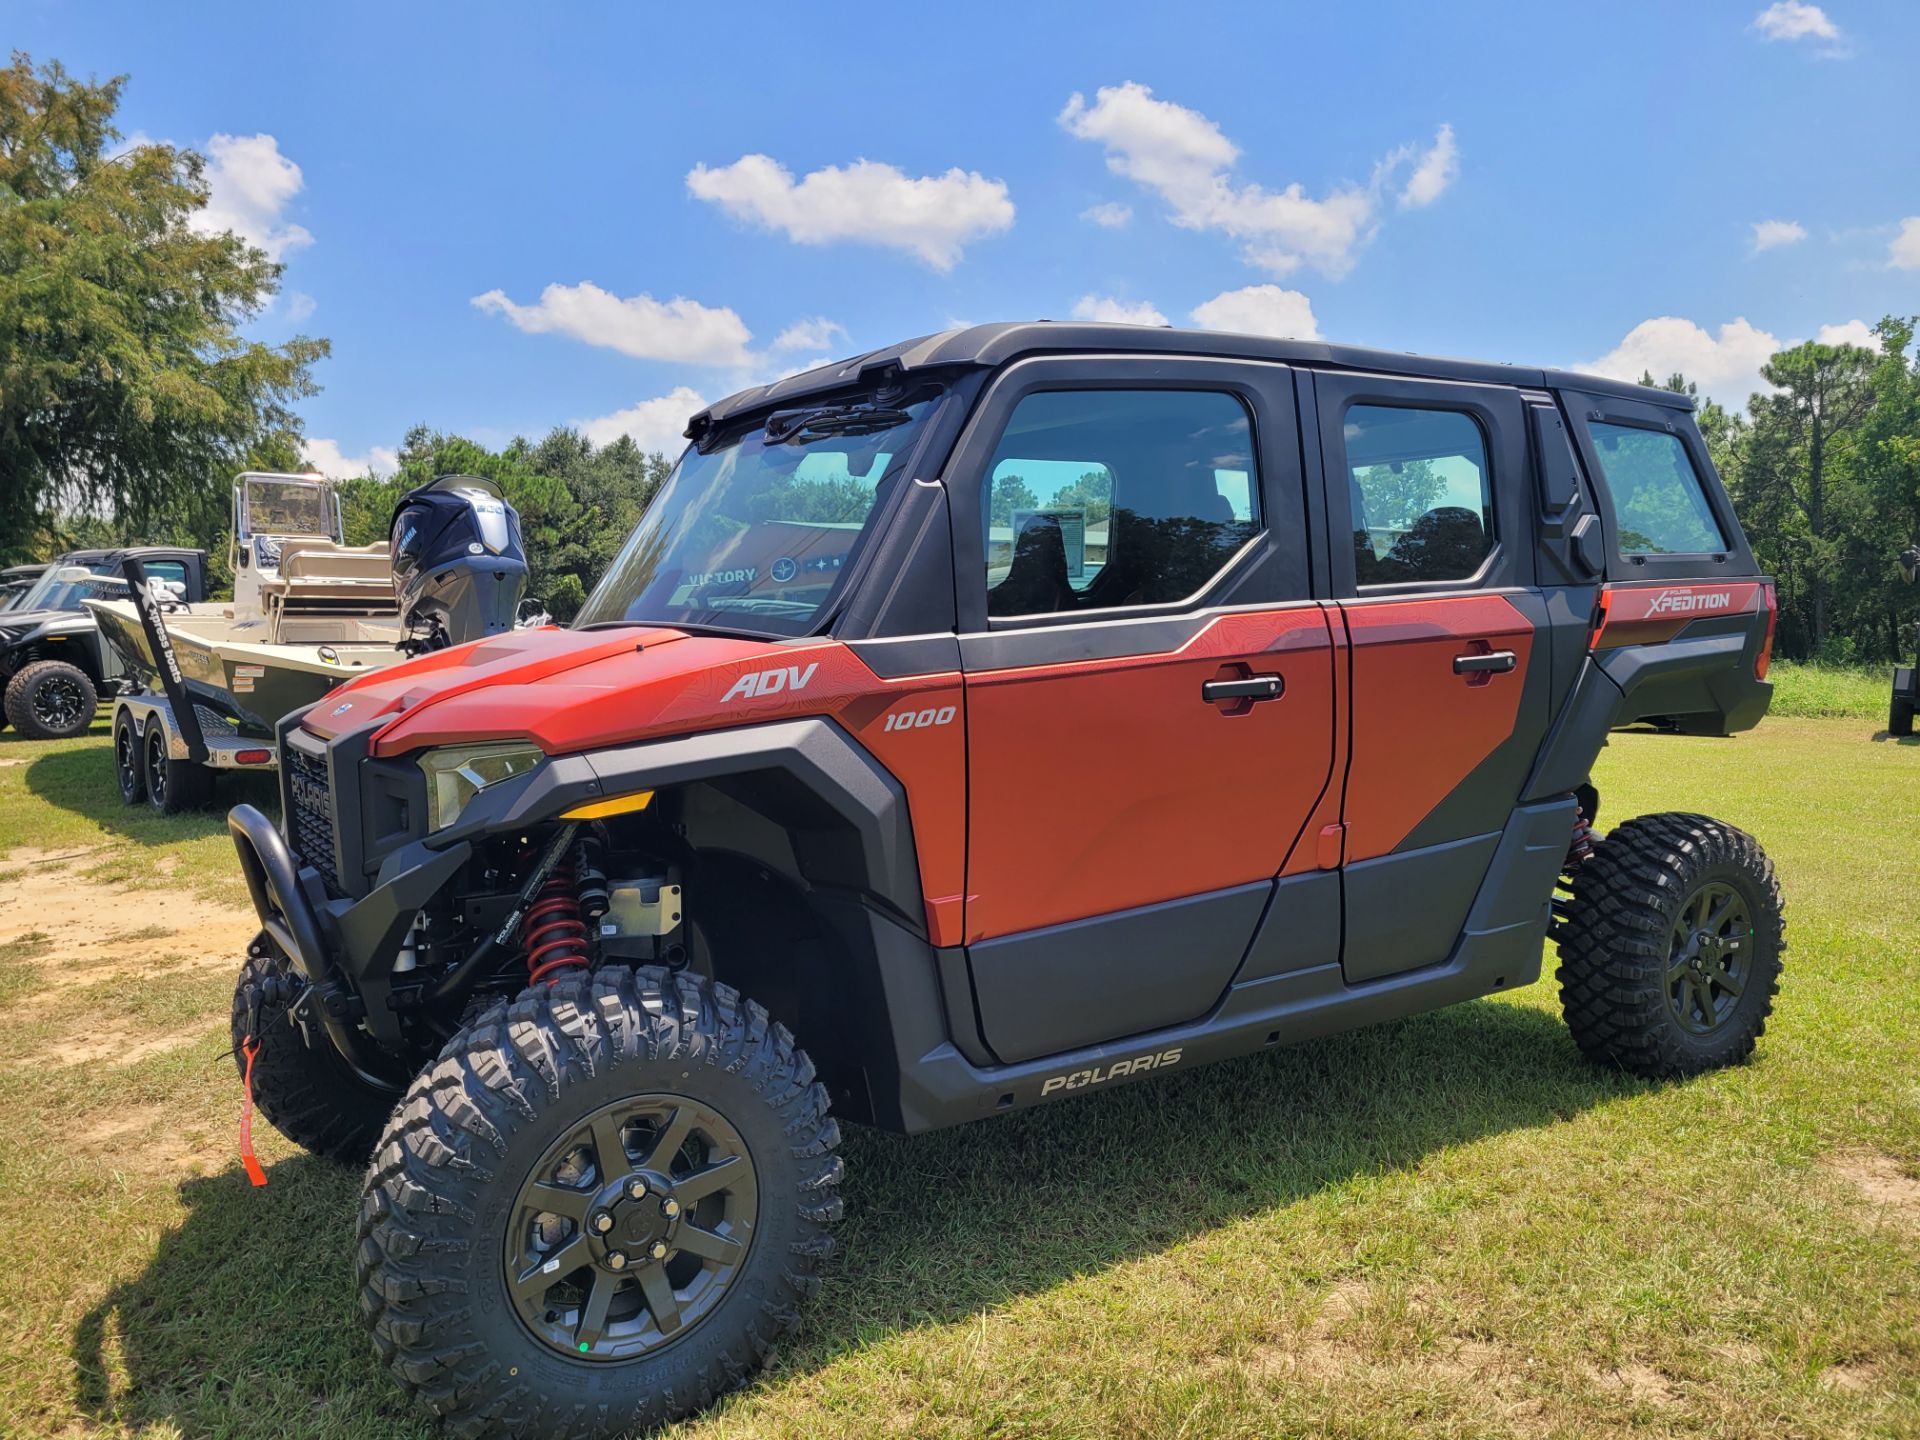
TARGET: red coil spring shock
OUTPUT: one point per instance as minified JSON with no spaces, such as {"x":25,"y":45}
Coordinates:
{"x":1580,"y":850}
{"x":556,"y":930}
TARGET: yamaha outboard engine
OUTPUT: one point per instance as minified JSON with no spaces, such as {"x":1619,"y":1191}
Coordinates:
{"x":458,"y":568}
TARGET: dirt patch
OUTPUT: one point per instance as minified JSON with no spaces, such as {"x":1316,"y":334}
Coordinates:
{"x":1641,"y":1383}
{"x":1881,"y":1180}
{"x":1850,"y":1379}
{"x":145,"y":1138}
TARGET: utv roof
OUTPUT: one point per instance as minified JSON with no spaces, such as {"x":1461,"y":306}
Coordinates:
{"x":988,"y":345}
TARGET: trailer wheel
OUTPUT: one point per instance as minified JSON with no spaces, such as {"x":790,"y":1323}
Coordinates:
{"x":129,"y":762}
{"x":51,"y":700}
{"x":173,"y":786}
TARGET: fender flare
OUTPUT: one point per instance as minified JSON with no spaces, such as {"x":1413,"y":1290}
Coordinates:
{"x":811,"y":757}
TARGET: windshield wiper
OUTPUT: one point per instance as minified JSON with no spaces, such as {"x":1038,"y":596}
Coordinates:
{"x":814,"y":423}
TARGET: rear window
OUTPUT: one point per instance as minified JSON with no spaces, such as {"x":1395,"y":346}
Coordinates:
{"x":1659,"y":506}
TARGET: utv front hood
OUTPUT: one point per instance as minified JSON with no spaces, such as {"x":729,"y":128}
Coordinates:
{"x":569,"y":690}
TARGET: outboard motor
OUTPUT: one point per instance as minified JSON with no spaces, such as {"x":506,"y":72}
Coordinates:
{"x":458,"y":569}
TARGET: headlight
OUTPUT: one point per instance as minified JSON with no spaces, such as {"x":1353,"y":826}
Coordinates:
{"x":458,"y":773}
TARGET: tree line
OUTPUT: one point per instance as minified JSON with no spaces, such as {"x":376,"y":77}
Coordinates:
{"x":130,"y":397}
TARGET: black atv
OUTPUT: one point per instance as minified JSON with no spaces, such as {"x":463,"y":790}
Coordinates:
{"x":53,"y":666}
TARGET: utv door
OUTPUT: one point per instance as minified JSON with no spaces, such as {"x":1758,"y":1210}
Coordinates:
{"x":1432,"y":556}
{"x":1150,"y":688}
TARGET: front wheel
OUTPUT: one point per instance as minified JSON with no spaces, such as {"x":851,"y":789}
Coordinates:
{"x":51,"y":700}
{"x":599,"y":1209}
{"x":1670,"y":949}
{"x":1900,"y":716}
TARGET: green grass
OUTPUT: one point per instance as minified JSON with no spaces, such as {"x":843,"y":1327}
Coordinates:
{"x":60,"y":797}
{"x":1445,"y":1227}
{"x":1853,"y":692}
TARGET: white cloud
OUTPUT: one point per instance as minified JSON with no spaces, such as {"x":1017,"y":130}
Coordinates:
{"x":1725,"y":366}
{"x":1118,"y":312}
{"x":300,"y":306}
{"x":1770,"y":234}
{"x":1110,"y":216}
{"x":1903,"y":252}
{"x":933,"y":216}
{"x":655,"y":425}
{"x":814,"y":334}
{"x":324,"y":456}
{"x":1181,"y":156}
{"x":249,"y":185}
{"x":1437,"y":167}
{"x":1852,"y":332}
{"x":1791,"y":20}
{"x":678,"y":330}
{"x":1260,"y":310}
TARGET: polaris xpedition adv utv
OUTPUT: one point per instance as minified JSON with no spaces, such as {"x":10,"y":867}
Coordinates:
{"x":988,"y":720}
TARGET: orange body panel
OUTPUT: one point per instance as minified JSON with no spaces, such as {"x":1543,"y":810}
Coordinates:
{"x":1418,"y":728}
{"x":1652,"y":614}
{"x":1101,"y":785}
{"x":569,"y":691}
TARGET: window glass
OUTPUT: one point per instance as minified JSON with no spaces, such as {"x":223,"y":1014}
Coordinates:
{"x":167,"y":570}
{"x":1104,"y":498}
{"x":1417,"y":482}
{"x":1658,"y":505}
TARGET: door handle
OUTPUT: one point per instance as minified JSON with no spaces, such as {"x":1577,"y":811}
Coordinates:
{"x":1497,"y":663}
{"x":1258,"y":687}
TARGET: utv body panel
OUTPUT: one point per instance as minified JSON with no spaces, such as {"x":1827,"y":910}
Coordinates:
{"x":1019,"y":854}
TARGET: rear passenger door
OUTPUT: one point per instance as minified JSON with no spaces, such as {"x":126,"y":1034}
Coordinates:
{"x":1432,"y":561}
{"x":1150,"y":687}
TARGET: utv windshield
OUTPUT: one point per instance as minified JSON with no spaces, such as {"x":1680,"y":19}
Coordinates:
{"x":64,"y":586}
{"x":754,"y":532}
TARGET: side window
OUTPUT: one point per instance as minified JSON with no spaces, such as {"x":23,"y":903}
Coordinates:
{"x":1104,"y":498}
{"x":1658,"y":505}
{"x":1422,"y":505}
{"x":167,"y":570}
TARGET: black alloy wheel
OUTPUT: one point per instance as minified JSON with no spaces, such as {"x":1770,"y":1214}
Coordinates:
{"x":59,"y":703}
{"x":127,"y":761}
{"x":629,"y":1231}
{"x":1707,"y":966}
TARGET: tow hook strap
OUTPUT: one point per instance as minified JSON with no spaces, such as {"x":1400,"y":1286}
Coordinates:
{"x":249,"y":1047}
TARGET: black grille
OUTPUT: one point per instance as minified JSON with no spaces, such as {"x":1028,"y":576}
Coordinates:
{"x":310,"y":810}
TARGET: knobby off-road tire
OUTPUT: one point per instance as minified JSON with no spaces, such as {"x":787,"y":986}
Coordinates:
{"x":568,"y":1074}
{"x":308,"y":1095}
{"x":51,"y":700}
{"x":1900,"y":716}
{"x":1670,"y":949}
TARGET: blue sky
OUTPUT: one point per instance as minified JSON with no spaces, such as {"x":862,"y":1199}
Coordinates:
{"x":509,"y":217}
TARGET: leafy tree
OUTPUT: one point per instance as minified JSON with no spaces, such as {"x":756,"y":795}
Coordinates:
{"x":1091,"y":493}
{"x":125,"y":391}
{"x":1010,"y":493}
{"x":1794,"y":466}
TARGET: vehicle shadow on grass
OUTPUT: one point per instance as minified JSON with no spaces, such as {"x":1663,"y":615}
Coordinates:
{"x":83,"y":781}
{"x":245,"y":1320}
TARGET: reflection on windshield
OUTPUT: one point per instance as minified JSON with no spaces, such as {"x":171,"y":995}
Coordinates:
{"x":753,"y":536}
{"x":276,"y":507}
{"x":53,"y":592}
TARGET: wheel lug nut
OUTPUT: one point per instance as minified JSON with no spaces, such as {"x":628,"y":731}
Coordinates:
{"x":658,"y":1250}
{"x":602,"y":1223}
{"x":637,"y":1187}
{"x":670,"y":1207}
{"x":616,"y":1260}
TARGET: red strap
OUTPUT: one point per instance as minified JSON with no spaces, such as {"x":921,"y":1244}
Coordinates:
{"x":250,"y":1048}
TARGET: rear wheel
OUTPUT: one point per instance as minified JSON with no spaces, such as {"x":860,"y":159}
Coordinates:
{"x":599,"y":1209}
{"x":173,"y":786}
{"x":129,"y":764}
{"x":306,"y":1093}
{"x":1670,"y":948}
{"x":51,"y":700}
{"x":1900,"y":716}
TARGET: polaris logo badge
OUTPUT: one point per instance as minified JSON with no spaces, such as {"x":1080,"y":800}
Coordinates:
{"x":770,"y":682}
{"x":1099,"y":1075}
{"x":1688,"y":602}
